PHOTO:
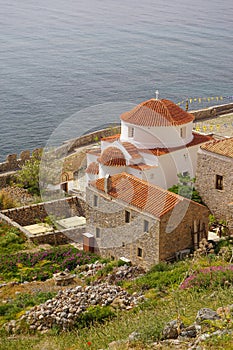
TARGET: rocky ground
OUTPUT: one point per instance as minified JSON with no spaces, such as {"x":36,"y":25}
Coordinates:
{"x":64,"y":310}
{"x":69,"y":303}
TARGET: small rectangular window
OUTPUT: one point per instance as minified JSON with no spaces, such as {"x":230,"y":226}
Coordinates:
{"x":183,"y":132}
{"x":146,"y":226}
{"x":123,"y":244}
{"x":140,"y":252}
{"x":219,"y":182}
{"x":130,"y":131}
{"x":95,"y":200}
{"x":97,"y":232}
{"x":127,"y":216}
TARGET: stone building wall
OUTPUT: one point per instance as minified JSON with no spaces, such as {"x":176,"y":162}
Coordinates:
{"x":208,"y":166}
{"x":177,"y":228}
{"x":61,"y":208}
{"x":118,"y":238}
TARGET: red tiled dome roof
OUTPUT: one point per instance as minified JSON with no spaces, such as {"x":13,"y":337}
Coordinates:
{"x":93,"y":168}
{"x":157,"y":113}
{"x":112,"y":156}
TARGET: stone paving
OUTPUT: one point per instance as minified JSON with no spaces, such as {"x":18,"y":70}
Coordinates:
{"x":221,"y":125}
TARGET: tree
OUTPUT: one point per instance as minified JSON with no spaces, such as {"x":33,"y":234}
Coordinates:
{"x":185,"y":188}
{"x":28,"y":176}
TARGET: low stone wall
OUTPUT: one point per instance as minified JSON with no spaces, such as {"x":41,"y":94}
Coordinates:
{"x":29,"y":215}
{"x":59,"y":236}
{"x":52,"y":238}
{"x":61,"y":208}
{"x":213,"y":111}
{"x":13,"y":163}
{"x":94,"y":137}
{"x":70,"y":145}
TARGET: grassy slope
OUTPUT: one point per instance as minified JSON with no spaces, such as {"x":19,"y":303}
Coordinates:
{"x":165,"y":302}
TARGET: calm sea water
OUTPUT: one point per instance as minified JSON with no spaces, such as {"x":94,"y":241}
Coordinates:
{"x":58,"y":57}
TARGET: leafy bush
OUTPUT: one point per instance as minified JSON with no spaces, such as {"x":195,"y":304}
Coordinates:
{"x":185,"y":188}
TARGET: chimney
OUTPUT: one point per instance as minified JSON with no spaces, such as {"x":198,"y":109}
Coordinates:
{"x":107,"y":183}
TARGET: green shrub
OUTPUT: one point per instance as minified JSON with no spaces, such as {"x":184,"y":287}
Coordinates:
{"x":94,"y":314}
{"x":11,"y":239}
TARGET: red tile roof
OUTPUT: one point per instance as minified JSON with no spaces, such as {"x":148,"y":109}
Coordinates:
{"x":132,"y":150}
{"x":93,"y":168}
{"x":140,"y":194}
{"x":222,"y":147}
{"x":111,"y":138}
{"x":197,"y":139}
{"x":95,"y":151}
{"x":157,"y":113}
{"x":112,"y":156}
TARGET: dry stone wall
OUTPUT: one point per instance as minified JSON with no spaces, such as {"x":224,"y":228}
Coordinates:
{"x":213,"y":111}
{"x":61,"y":208}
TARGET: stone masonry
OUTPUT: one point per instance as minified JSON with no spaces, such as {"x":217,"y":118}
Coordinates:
{"x":218,"y":201}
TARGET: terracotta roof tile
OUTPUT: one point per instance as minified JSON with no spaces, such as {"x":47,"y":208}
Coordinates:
{"x":94,"y":151}
{"x":140,"y":194}
{"x":132,"y":150}
{"x":222,"y":147}
{"x":157,"y":113}
{"x":111,"y":138}
{"x":93,"y":168}
{"x":112,"y":156}
{"x":197,"y":139}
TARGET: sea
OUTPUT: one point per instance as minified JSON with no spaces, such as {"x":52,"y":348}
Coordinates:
{"x":67,"y":67}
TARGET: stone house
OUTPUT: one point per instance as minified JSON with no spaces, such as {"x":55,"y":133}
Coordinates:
{"x":129,"y":217}
{"x":214,"y":178}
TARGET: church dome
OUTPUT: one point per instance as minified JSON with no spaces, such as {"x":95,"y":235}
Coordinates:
{"x":156,"y":112}
{"x":112,"y":156}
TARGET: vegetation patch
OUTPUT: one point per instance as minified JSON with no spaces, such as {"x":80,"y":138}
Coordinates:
{"x":15,"y":307}
{"x":42,"y":265}
{"x":11,"y":239}
{"x":210,"y":277}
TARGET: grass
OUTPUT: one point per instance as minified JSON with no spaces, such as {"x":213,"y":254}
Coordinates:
{"x":165,"y":301}
{"x":11,"y":239}
{"x":149,"y":321}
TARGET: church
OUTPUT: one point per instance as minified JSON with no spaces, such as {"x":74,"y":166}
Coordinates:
{"x":156,"y":143}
